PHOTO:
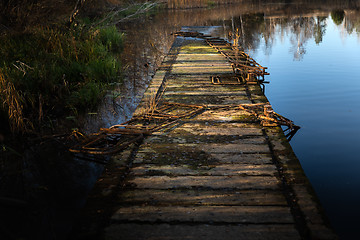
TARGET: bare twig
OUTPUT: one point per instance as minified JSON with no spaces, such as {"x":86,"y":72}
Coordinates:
{"x":22,"y":67}
{"x":112,"y":15}
{"x":76,"y":10}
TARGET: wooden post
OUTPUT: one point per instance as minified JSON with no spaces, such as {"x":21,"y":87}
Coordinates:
{"x":268,"y":113}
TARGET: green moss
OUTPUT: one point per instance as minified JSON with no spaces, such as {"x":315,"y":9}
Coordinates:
{"x":211,"y":3}
{"x":244,"y":118}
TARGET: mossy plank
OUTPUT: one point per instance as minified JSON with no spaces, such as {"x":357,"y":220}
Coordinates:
{"x":202,"y":93}
{"x":207,"y":148}
{"x":216,"y":170}
{"x":255,"y":159}
{"x":171,"y":138}
{"x":185,"y":197}
{"x":200,"y":158}
{"x":178,"y":69}
{"x":207,"y":99}
{"x":213,"y":182}
{"x":235,"y":148}
{"x":205,"y":87}
{"x":203,"y":231}
{"x":199,"y":57}
{"x":229,"y":214}
{"x":224,"y":115}
{"x":237,"y":129}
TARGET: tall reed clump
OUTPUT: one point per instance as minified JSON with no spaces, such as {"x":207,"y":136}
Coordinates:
{"x":52,"y":72}
{"x":13,"y":103}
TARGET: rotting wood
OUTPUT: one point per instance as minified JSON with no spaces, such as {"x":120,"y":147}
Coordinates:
{"x":197,"y":232}
{"x":227,"y":80}
{"x":242,"y":63}
{"x":196,"y":174}
{"x":112,"y":140}
{"x":107,"y":142}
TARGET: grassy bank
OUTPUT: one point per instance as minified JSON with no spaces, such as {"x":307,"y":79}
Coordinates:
{"x":60,"y":69}
{"x":51,"y":72}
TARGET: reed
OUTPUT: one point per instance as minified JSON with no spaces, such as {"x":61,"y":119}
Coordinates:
{"x":13,"y":103}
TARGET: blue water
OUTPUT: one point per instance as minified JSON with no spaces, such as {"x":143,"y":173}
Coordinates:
{"x":320,"y":91}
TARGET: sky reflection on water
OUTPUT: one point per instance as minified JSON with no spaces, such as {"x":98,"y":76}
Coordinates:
{"x":320,"y":91}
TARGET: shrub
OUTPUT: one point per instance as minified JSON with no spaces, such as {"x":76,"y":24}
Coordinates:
{"x":337,"y":16}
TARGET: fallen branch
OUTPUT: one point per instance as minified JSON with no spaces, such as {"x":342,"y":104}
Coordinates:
{"x":142,"y":9}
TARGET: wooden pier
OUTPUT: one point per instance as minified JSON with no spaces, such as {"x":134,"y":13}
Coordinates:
{"x":214,"y":171}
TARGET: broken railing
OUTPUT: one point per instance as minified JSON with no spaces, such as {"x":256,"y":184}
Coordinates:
{"x":112,"y":140}
{"x":109,"y":141}
{"x":242,"y":64}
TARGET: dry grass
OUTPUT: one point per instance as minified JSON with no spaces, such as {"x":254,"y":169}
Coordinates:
{"x":13,"y":102}
{"x":149,"y":106}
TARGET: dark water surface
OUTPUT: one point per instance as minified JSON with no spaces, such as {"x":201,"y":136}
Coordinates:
{"x":312,"y":51}
{"x":318,"y":86}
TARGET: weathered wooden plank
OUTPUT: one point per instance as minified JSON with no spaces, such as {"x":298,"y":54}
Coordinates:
{"x":236,"y":147}
{"x":204,"y":87}
{"x":199,"y":93}
{"x":239,"y":129}
{"x":242,"y":158}
{"x":198,"y":48}
{"x":214,"y":182}
{"x":219,"y":170}
{"x":215,"y":214}
{"x":202,"y":64}
{"x":203,"y":231}
{"x":207,"y":139}
{"x":187,"y":78}
{"x":202,"y":197}
{"x":199,"y":158}
{"x":198,"y":84}
{"x":200,"y":57}
{"x":207,"y":99}
{"x":226,"y":115}
{"x":200,"y":70}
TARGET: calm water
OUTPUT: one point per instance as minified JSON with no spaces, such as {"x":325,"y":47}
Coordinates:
{"x":320,"y":90}
{"x":312,"y":51}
